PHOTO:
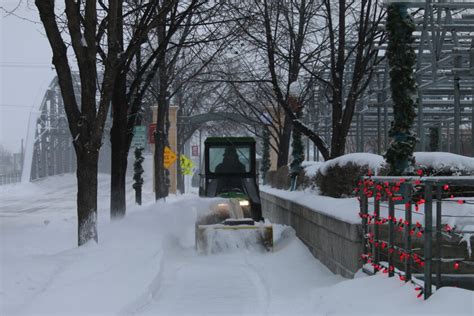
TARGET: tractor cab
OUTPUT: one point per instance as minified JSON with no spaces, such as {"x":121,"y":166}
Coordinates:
{"x":230,"y":171}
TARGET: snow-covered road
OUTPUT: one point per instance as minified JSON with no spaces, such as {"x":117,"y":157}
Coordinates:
{"x":146,"y":264}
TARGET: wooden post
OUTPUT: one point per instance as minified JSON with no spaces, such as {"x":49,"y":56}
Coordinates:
{"x":173,"y":141}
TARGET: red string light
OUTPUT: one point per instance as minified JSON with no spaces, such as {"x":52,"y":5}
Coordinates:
{"x":386,"y":190}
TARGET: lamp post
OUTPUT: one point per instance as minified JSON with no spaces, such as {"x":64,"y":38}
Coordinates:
{"x":401,"y":58}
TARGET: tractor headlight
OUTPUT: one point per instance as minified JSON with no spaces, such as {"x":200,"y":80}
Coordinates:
{"x":244,"y":203}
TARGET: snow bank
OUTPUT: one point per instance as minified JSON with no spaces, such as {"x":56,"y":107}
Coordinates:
{"x":440,"y":160}
{"x":380,"y":295}
{"x":374,"y":162}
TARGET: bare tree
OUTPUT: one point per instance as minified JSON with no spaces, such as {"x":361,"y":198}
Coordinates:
{"x":87,"y":115}
{"x":354,"y":37}
{"x":185,"y":56}
{"x":300,"y":41}
{"x":134,"y":79}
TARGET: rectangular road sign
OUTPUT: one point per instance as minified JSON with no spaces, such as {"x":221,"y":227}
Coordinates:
{"x":139,"y":137}
{"x":151,"y":133}
{"x":195,"y":150}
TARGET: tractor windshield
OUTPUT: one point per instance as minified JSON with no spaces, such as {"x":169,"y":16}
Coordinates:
{"x":229,"y":159}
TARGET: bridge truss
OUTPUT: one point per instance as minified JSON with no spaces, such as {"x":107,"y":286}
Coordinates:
{"x":49,"y":146}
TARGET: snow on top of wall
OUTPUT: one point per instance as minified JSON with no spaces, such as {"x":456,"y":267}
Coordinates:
{"x":440,"y":160}
{"x":374,"y":162}
{"x":344,"y":209}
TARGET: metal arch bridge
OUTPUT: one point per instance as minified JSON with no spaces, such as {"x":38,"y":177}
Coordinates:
{"x":49,"y":146}
{"x":48,"y":149}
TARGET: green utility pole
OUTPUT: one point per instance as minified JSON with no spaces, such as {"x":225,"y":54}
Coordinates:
{"x":137,"y":176}
{"x":265,"y":162}
{"x":297,"y":155}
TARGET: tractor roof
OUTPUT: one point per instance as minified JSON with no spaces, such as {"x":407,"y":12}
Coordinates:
{"x":229,"y":140}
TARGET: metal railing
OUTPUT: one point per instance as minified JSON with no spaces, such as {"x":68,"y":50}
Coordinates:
{"x":417,"y":193}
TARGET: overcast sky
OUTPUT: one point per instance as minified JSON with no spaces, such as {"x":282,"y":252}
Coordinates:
{"x":25,"y":69}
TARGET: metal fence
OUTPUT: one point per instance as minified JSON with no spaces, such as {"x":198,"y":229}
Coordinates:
{"x":390,"y":238}
{"x":10,"y":178}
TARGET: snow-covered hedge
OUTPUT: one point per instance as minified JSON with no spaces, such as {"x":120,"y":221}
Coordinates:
{"x":338,"y":177}
{"x":444,"y":164}
{"x":371,"y":161}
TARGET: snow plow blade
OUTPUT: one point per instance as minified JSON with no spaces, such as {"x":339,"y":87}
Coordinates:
{"x":237,"y":234}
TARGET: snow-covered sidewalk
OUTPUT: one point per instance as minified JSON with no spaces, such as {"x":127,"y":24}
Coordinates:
{"x":146,"y":264}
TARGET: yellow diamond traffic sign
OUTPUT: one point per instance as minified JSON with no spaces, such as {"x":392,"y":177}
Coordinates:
{"x":186,"y":165}
{"x":170,"y":157}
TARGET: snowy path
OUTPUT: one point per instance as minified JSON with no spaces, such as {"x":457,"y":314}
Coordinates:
{"x":146,"y":264}
{"x":245,"y":282}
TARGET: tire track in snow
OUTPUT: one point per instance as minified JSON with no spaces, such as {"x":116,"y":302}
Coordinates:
{"x":141,"y":302}
{"x":260,"y":283}
{"x":216,"y":284}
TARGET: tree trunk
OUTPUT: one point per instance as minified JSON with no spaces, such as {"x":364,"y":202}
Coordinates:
{"x":161,"y":183}
{"x":87,"y":163}
{"x":284,"y":143}
{"x":338,"y":142}
{"x":119,"y":153}
{"x":161,"y":135}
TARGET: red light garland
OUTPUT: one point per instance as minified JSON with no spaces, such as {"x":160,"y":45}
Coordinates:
{"x":379,"y":191}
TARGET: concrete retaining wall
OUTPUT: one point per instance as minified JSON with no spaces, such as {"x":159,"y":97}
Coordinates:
{"x":337,"y":244}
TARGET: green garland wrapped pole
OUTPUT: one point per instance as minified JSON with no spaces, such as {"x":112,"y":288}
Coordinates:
{"x":401,"y":58}
{"x":266,"y":163}
{"x":137,"y":176}
{"x":297,"y":154}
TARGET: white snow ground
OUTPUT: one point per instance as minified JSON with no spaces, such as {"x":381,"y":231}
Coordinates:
{"x":146,"y":264}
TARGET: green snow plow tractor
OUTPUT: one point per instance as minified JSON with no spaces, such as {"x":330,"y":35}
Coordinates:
{"x":236,"y":221}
